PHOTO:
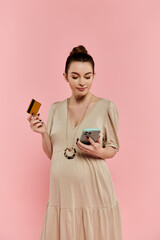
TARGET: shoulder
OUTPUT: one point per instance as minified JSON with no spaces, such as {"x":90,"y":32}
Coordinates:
{"x":53,"y":104}
{"x":52,"y":107}
{"x":57,"y":104}
{"x":109,"y":103}
{"x":111,"y":107}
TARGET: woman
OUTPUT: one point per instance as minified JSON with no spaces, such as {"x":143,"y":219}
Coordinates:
{"x":82,"y":202}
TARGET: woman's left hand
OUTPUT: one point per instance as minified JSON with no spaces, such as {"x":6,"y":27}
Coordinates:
{"x":94,"y":149}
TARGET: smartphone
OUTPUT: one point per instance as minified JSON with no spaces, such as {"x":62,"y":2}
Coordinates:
{"x":33,"y":107}
{"x":92,"y":133}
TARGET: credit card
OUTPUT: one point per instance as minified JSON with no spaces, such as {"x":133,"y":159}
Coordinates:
{"x":34,"y":107}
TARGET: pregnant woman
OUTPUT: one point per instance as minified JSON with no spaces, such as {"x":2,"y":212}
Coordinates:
{"x":82,"y":203}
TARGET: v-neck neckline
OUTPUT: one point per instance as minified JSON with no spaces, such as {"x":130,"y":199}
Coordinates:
{"x":85,"y":116}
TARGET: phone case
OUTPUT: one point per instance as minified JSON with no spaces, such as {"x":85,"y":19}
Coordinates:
{"x":33,"y":107}
{"x":92,"y":133}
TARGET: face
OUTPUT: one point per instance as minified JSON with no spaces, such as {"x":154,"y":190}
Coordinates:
{"x":80,"y":77}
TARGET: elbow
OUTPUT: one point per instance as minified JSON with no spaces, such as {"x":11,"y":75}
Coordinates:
{"x":112,"y":152}
{"x":115,"y":151}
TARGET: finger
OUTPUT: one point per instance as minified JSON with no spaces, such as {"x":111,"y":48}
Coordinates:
{"x":91,"y":141}
{"x":39,"y":125}
{"x":29,"y":117}
{"x":35,"y":122}
{"x":35,"y":117}
{"x":85,"y":149}
{"x":82,"y":145}
{"x":98,"y":138}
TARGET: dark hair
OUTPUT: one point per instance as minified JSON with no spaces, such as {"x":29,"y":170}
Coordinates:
{"x":79,"y":53}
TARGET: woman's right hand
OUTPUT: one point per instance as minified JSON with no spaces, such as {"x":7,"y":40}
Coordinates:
{"x":36,"y":124}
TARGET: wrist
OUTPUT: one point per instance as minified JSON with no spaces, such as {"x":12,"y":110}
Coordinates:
{"x":102,"y":153}
{"x":107,"y":152}
{"x":44,"y":134}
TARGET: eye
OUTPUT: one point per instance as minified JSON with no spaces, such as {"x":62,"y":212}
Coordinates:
{"x":77,"y":77}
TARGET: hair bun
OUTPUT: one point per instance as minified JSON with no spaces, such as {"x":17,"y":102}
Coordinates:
{"x":78,"y":49}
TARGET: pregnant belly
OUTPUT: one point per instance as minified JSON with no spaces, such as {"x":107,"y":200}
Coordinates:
{"x":81,"y":181}
{"x":71,"y":171}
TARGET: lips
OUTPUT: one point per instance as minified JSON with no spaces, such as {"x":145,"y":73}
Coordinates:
{"x":81,"y":89}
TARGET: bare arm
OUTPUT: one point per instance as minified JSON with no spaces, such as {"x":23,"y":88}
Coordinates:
{"x":107,"y":152}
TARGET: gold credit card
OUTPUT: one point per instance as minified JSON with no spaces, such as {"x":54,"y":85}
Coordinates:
{"x":34,"y":107}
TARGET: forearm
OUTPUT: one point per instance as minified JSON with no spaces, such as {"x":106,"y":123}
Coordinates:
{"x":107,"y":152}
{"x":47,"y":145}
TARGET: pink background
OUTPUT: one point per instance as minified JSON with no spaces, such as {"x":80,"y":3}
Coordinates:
{"x":124,"y":39}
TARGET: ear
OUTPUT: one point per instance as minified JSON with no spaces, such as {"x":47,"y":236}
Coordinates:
{"x":65,"y":76}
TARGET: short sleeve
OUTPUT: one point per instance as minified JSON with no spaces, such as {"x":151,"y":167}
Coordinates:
{"x":49,"y":122}
{"x":111,"y":126}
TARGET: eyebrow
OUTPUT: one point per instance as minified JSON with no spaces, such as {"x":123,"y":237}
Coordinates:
{"x":78,"y":73}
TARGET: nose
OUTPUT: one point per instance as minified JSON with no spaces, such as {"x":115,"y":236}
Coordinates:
{"x":81,"y":82}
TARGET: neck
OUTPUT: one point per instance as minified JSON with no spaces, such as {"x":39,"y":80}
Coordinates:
{"x":76,"y":100}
